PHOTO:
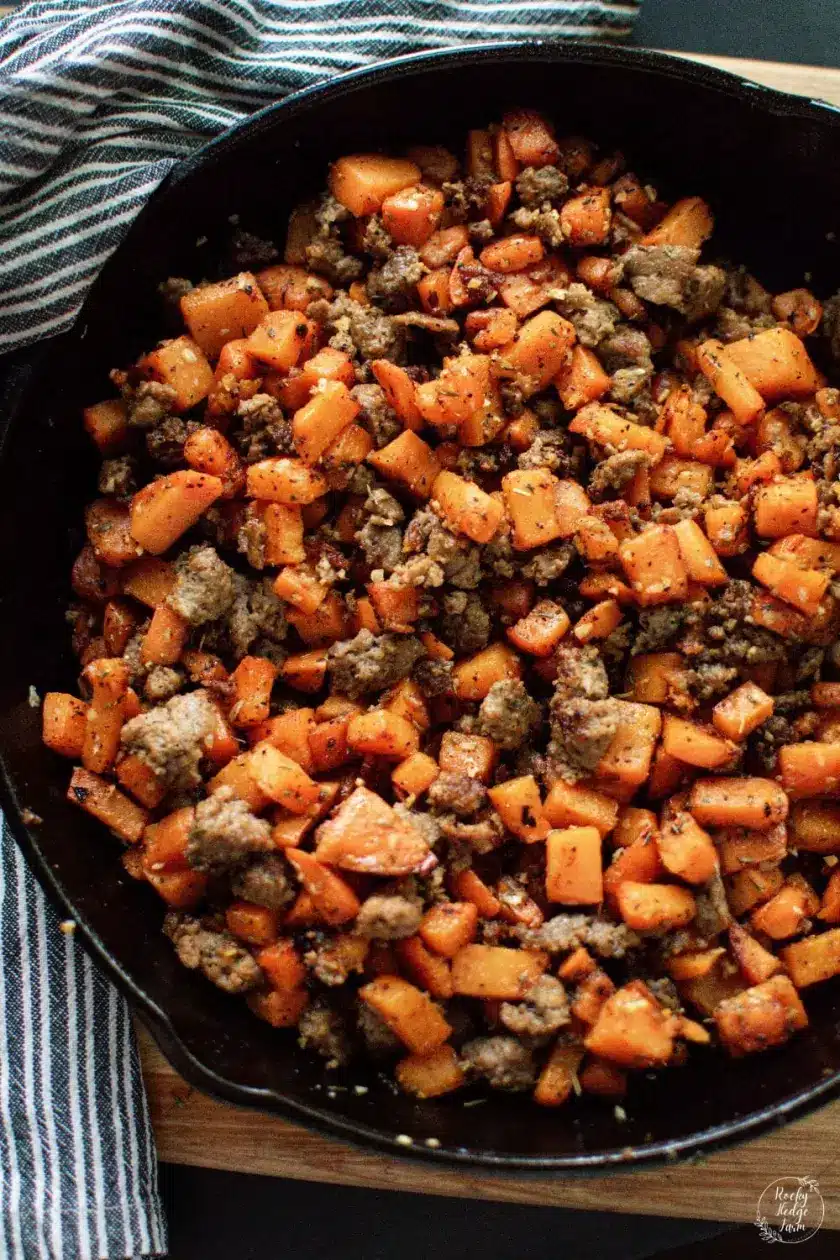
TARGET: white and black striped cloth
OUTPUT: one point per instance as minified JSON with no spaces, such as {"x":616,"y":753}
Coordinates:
{"x":98,"y":101}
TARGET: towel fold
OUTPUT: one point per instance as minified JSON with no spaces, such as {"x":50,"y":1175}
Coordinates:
{"x":99,"y":99}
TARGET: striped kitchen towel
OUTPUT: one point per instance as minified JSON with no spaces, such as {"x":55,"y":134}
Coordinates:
{"x":99,"y":99}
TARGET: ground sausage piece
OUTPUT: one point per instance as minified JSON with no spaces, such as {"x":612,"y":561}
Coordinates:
{"x":458,"y":560}
{"x":668,"y":275}
{"x":483,"y":834}
{"x":224,"y":832}
{"x":565,"y":932}
{"x":580,"y":673}
{"x":171,"y":738}
{"x":149,"y":403}
{"x":388,"y":917}
{"x":536,"y":184}
{"x":165,"y":442}
{"x":255,"y":610}
{"x":456,"y":794}
{"x":328,"y":964}
{"x":323,"y":1030}
{"x":248,"y":251}
{"x":162,"y":683}
{"x":547,"y":565}
{"x":593,"y":318}
{"x":544,"y":1010}
{"x":612,"y":474}
{"x":381,"y":421}
{"x":118,"y":477}
{"x":549,"y":449}
{"x":262,"y":430}
{"x":264,"y":882}
{"x":465,"y":624}
{"x":204,"y":589}
{"x":379,"y":537}
{"x":372,"y":662}
{"x":394,"y":282}
{"x":361,"y":331}
{"x":218,"y":955}
{"x":508,"y":714}
{"x":434,"y":678}
{"x":503,"y":1062}
{"x":581,"y":732}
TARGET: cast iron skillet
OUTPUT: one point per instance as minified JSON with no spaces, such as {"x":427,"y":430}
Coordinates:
{"x":768,"y":163}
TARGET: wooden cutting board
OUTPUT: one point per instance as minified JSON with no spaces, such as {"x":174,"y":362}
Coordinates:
{"x":194,"y":1129}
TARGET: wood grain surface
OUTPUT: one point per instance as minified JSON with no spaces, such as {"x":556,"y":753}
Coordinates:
{"x":193,"y":1129}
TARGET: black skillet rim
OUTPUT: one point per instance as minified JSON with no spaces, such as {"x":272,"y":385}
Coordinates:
{"x":196,"y":1073}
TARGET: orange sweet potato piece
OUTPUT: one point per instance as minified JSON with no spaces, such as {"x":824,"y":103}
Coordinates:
{"x":695,"y":744}
{"x":727,"y":528}
{"x":63,"y":723}
{"x":699,"y":556}
{"x":429,"y":1076}
{"x":649,"y":907}
{"x":107,"y":522}
{"x":279,"y":339}
{"x":465,"y":508}
{"x":538,"y":352}
{"x":285,"y":481}
{"x":317,"y":424}
{"x":474,"y":677}
{"x":586,"y":218}
{"x":415,"y":775}
{"x":539,"y":632}
{"x":493,"y":971}
{"x":413,"y":214}
{"x":208,"y":451}
{"x":108,"y":804}
{"x":598,"y":622}
{"x":632,"y":1029}
{"x":531,"y":138}
{"x":332,"y":896}
{"x":165,"y":509}
{"x":289,"y":732}
{"x":573,"y":866}
{"x":803,"y":588}
{"x":363,"y":181}
{"x":252,"y":681}
{"x":448,"y":926}
{"x":729,"y":381}
{"x":785,"y":914}
{"x":107,"y":424}
{"x":638,"y":863}
{"x":747,"y":889}
{"x":685,"y":849}
{"x":688,"y":222}
{"x":815,"y":826}
{"x":568,"y":805}
{"x":471,"y":887}
{"x":255,"y":925}
{"x":558,"y":1077}
{"x":381,"y":733}
{"x":518,"y":804}
{"x":757,"y":963}
{"x":530,"y":497}
{"x":305,"y":671}
{"x":581,"y":380}
{"x":164,"y":641}
{"x":410,"y":462}
{"x":108,"y":679}
{"x":601,"y":424}
{"x":472,"y":755}
{"x":290,"y":288}
{"x":814,"y":959}
{"x":788,"y":505}
{"x":591,"y":994}
{"x":512,"y":253}
{"x":739,"y":848}
{"x":281,"y":779}
{"x":759,"y":1017}
{"x":366,"y":835}
{"x":428,"y":970}
{"x":654,"y":565}
{"x":399,"y":391}
{"x":776,"y":364}
{"x":222,"y":312}
{"x":282,"y":965}
{"x":183,"y":366}
{"x":626,"y":763}
{"x":182,"y":890}
{"x":410,"y":1014}
{"x":138,"y":778}
{"x":742,"y":711}
{"x":758,"y":804}
{"x":396,"y":607}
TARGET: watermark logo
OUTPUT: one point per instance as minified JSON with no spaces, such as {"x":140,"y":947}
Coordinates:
{"x":790,"y":1210}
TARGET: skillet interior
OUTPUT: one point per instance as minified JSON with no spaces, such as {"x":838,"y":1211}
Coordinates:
{"x":768,"y":164}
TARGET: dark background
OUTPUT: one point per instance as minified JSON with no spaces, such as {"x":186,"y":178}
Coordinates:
{"x":214,"y":1215}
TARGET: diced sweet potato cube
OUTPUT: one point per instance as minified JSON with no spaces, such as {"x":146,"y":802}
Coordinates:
{"x":107,"y":424}
{"x":381,"y":733}
{"x":410,"y":1014}
{"x":474,"y":677}
{"x":286,"y":481}
{"x":493,"y":971}
{"x":332,"y":896}
{"x":632,"y":1029}
{"x":540,"y":630}
{"x":649,"y":907}
{"x":316,"y":425}
{"x":519,"y":805}
{"x":63,"y":723}
{"x":557,"y":1079}
{"x":815,"y":826}
{"x":568,"y":805}
{"x":814,"y":959}
{"x":776,"y":363}
{"x":531,"y":500}
{"x":363,"y":181}
{"x":107,"y":804}
{"x":742,"y":711}
{"x":366,"y":835}
{"x":279,"y":338}
{"x":465,"y":508}
{"x":448,"y":926}
{"x":290,"y":288}
{"x":654,"y":565}
{"x":811,"y":769}
{"x":626,"y":763}
{"x":695,"y":745}
{"x":747,"y":802}
{"x":182,"y":365}
{"x":685,"y":849}
{"x":410,"y":462}
{"x":573,"y":866}
{"x":757,"y":963}
{"x":165,"y":509}
{"x":222,"y":312}
{"x":762,"y":1016}
{"x":415,"y":775}
{"x":729,"y":381}
{"x":469,"y":886}
{"x":429,"y":1076}
{"x":739,"y":848}
{"x":472,"y":755}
